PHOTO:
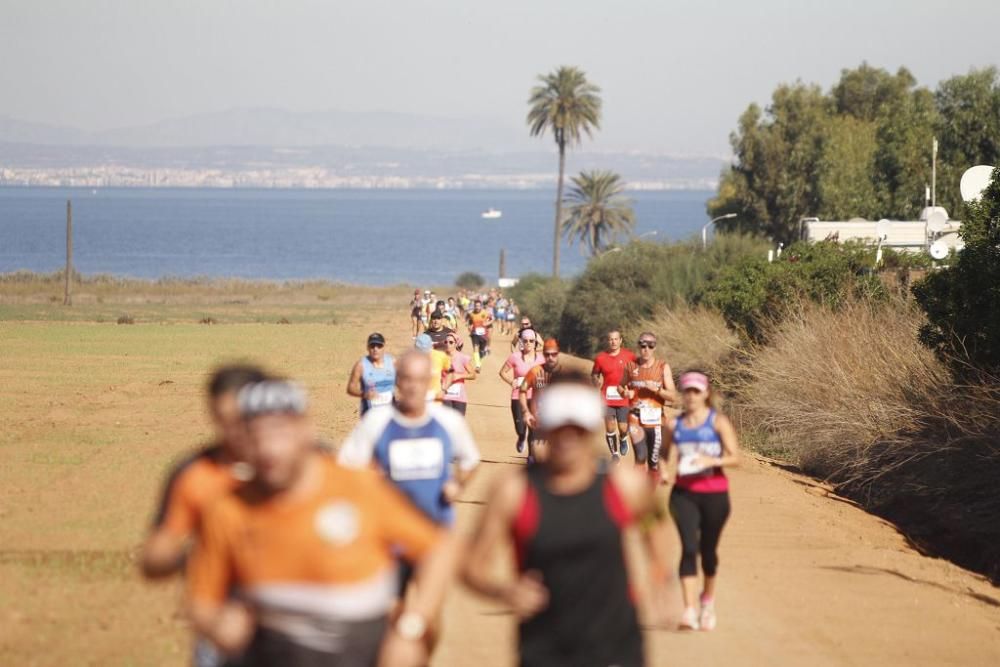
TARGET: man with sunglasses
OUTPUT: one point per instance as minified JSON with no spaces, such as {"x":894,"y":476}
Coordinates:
{"x":648,"y":383}
{"x":537,"y":379}
{"x":373,"y":376}
{"x":609,"y":368}
{"x":437,"y":329}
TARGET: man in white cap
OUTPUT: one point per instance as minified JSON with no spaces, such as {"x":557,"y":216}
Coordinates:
{"x":573,"y":610}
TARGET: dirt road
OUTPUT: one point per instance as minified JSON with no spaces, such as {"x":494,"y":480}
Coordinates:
{"x":806,"y":578}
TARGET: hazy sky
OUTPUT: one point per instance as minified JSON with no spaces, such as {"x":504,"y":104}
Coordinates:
{"x":675,"y":75}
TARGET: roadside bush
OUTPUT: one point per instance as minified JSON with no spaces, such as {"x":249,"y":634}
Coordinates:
{"x":754,"y":294}
{"x":469,"y":280}
{"x":542,"y":298}
{"x":625,"y":286}
{"x":851,"y":396}
{"x":126,"y":319}
{"x":962,"y":302}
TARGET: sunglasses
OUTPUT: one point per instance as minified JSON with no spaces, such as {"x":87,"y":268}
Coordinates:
{"x":525,"y":324}
{"x":378,"y":345}
{"x":647,"y":344}
{"x":552,"y":355}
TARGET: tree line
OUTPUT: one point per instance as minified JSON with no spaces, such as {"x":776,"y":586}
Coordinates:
{"x":862,"y":149}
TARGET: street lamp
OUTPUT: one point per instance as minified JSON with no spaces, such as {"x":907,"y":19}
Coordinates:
{"x":704,"y":230}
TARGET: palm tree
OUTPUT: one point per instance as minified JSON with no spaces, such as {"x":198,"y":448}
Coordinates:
{"x":597,"y":213}
{"x":569,"y":106}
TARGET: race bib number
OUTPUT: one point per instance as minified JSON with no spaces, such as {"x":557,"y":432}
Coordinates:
{"x":454,"y":390}
{"x":480,"y":331}
{"x":420,"y":458}
{"x":612,"y":394}
{"x":650,"y":415}
{"x":381,"y":398}
{"x":688,"y":465}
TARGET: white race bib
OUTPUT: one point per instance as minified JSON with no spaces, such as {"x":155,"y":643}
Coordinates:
{"x":381,"y":398}
{"x":419,"y":458}
{"x":611,"y":393}
{"x":688,"y":465}
{"x":454,"y":390}
{"x":650,"y":415}
{"x":480,"y":331}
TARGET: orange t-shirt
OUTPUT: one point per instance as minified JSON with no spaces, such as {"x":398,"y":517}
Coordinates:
{"x":191,"y":487}
{"x":333,"y":550}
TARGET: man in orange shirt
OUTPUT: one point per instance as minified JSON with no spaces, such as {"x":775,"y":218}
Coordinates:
{"x":202,"y":477}
{"x":308,"y":548}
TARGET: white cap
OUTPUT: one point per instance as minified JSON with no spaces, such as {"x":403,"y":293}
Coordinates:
{"x":566,"y":404}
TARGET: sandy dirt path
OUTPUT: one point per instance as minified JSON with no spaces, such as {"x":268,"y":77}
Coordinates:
{"x":806,"y":578}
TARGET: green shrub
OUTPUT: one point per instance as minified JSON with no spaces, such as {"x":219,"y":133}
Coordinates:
{"x":469,"y":280}
{"x":962,"y":302}
{"x":622,"y":287}
{"x":754,"y":294}
{"x":541,"y":298}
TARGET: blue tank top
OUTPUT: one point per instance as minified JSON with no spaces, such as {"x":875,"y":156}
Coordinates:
{"x":692,"y":441}
{"x":417,"y":459}
{"x":382,"y":380}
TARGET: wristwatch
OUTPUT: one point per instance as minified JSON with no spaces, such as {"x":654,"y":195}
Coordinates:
{"x":411,"y":626}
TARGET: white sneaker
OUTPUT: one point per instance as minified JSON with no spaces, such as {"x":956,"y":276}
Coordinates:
{"x":689,"y":619}
{"x":707,"y":618}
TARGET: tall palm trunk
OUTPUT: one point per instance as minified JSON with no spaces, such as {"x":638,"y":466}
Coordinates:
{"x":557,"y":233}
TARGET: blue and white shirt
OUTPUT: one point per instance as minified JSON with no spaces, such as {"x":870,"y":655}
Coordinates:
{"x":414,"y":454}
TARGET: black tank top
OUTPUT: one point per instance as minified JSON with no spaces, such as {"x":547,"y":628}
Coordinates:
{"x":575,"y":541}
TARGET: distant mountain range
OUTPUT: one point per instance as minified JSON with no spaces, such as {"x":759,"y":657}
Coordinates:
{"x":342,"y":144}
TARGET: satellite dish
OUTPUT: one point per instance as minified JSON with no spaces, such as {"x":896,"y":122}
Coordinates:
{"x":939,"y":250}
{"x":882,"y":228}
{"x":974,"y":181}
{"x":937,"y":220}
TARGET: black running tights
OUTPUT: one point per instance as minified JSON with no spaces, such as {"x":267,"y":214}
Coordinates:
{"x":520,"y":426}
{"x":699,"y":518}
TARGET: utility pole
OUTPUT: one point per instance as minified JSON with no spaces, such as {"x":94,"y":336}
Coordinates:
{"x":934,"y":147}
{"x":67,"y":297}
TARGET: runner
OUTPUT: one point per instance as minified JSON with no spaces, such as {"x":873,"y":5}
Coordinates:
{"x":437,"y":330}
{"x":525,"y":324}
{"x":416,"y":312}
{"x":609,"y":367}
{"x":307,"y":546}
{"x":440,"y":363}
{"x":500,"y":314}
{"x":460,"y":372}
{"x":479,"y":322}
{"x":704,"y":443}
{"x":414,"y":446}
{"x":373,"y":376}
{"x":451,"y":313}
{"x":196,"y":482}
{"x":426,"y":305}
{"x":512,"y":372}
{"x":564,"y":520}
{"x":536,"y":380}
{"x":649,"y":384}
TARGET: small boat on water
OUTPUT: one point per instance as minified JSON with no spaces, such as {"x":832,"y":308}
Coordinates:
{"x":492,"y":213}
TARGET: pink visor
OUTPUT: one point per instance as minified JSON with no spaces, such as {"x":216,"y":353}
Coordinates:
{"x":697,"y":381}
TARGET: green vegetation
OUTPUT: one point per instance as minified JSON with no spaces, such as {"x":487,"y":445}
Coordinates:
{"x":569,"y":106}
{"x":863,"y":149}
{"x":469,"y":280}
{"x":597,"y":214}
{"x":962,"y":302}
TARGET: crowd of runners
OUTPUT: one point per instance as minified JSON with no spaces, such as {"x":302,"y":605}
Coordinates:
{"x":298,"y":552}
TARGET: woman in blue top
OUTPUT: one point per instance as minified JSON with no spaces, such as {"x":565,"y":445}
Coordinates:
{"x":373,"y":378}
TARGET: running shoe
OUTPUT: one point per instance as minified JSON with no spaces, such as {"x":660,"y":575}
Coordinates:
{"x":706,"y":620}
{"x":623,"y":447}
{"x":689,"y":619}
{"x":615,"y":459}
{"x":520,"y":446}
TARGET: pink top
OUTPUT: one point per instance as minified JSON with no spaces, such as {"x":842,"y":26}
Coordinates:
{"x":457,"y":390}
{"x":521,"y":368}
